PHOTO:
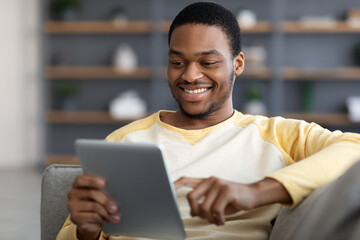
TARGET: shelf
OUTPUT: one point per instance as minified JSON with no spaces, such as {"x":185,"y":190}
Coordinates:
{"x":84,"y":117}
{"x":348,"y":73}
{"x":320,"y":27}
{"x":260,"y":27}
{"x":97,"y":27}
{"x":104,"y":27}
{"x":256,"y":73}
{"x":63,"y":72}
{"x":61,"y":159}
{"x":326,"y":119}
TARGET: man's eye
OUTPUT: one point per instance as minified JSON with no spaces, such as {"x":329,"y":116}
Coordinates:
{"x":175,"y":63}
{"x":209,"y":63}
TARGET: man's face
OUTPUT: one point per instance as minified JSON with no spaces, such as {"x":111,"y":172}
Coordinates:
{"x":201,"y":69}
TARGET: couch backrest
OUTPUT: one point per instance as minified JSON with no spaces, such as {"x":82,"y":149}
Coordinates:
{"x":56,"y":183}
{"x":329,"y":213}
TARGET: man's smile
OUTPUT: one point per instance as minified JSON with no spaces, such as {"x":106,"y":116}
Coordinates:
{"x":200,"y":90}
{"x":193,"y":93}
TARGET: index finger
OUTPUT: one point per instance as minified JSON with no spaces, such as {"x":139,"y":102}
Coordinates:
{"x":88,"y":181}
{"x":187,"y":182}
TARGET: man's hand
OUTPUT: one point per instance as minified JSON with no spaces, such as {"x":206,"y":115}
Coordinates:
{"x":213,"y":198}
{"x":90,"y":207}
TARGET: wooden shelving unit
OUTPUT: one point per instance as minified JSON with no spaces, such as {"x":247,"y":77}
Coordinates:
{"x":84,"y":117}
{"x":97,"y":27}
{"x":59,"y":34}
{"x":61,"y":159}
{"x":320,"y":27}
{"x":325,"y":119}
{"x":260,"y":27}
{"x":65,"y":72}
{"x":346,"y":73}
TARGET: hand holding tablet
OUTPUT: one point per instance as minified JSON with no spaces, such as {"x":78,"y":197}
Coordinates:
{"x":138,"y":182}
{"x":90,"y":206}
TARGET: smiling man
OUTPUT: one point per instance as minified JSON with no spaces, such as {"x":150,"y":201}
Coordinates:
{"x":201,"y":72}
{"x":232,"y":171}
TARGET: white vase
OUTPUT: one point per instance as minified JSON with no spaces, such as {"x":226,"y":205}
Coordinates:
{"x":247,"y":18}
{"x":125,"y":59}
{"x":255,"y":107}
{"x":127,"y":105}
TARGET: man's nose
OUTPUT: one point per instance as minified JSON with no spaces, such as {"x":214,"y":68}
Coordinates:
{"x":192,"y":73}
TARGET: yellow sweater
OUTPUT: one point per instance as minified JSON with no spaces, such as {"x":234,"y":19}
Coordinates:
{"x":243,"y":149}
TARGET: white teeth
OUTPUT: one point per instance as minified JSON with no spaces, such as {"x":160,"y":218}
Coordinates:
{"x":201,"y":90}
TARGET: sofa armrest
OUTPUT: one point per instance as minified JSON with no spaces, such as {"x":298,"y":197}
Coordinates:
{"x":56,"y":183}
{"x":330,"y":212}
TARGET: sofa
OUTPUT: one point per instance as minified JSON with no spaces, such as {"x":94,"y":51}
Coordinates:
{"x":330,"y":212}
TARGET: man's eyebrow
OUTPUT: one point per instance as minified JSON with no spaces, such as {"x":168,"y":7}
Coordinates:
{"x":172,"y":51}
{"x":210,"y":52}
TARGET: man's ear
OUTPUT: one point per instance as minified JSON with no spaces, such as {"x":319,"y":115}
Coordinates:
{"x":239,"y":64}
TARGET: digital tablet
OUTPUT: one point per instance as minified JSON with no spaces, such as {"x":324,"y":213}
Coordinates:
{"x":138,"y":181}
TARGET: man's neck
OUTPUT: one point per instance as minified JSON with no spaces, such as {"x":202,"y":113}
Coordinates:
{"x":180,"y":120}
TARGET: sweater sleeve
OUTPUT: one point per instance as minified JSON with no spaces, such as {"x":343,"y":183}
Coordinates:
{"x":319,"y":155}
{"x":68,"y":232}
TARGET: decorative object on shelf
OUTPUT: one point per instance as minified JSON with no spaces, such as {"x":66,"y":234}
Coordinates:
{"x":67,"y":92}
{"x":125,"y":59}
{"x":255,"y":56}
{"x":357,"y":54}
{"x":353,"y":17}
{"x":66,"y":10}
{"x":353,"y":105}
{"x":246,"y":18}
{"x":254,"y":105}
{"x":119,"y":15}
{"x":127,"y":105}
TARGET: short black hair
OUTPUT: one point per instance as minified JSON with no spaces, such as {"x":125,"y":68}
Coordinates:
{"x":212,"y":14}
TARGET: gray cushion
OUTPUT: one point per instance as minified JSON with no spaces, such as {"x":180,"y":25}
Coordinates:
{"x":331,"y":212}
{"x":56,"y":183}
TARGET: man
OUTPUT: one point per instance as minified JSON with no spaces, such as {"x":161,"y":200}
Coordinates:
{"x":234,"y":164}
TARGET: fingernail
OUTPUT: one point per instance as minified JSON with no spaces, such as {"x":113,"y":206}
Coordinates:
{"x":113,"y":208}
{"x":100,"y":183}
{"x":116,"y":218}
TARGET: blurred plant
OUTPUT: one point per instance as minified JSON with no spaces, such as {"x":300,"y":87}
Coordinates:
{"x":67,"y":89}
{"x":308,"y":96}
{"x":66,"y":9}
{"x":119,"y":14}
{"x":254,"y":93}
{"x":67,"y":92}
{"x":59,"y":6}
{"x":357,"y":54}
{"x":254,"y":104}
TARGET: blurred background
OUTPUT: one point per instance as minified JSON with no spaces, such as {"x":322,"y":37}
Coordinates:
{"x":83,"y":68}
